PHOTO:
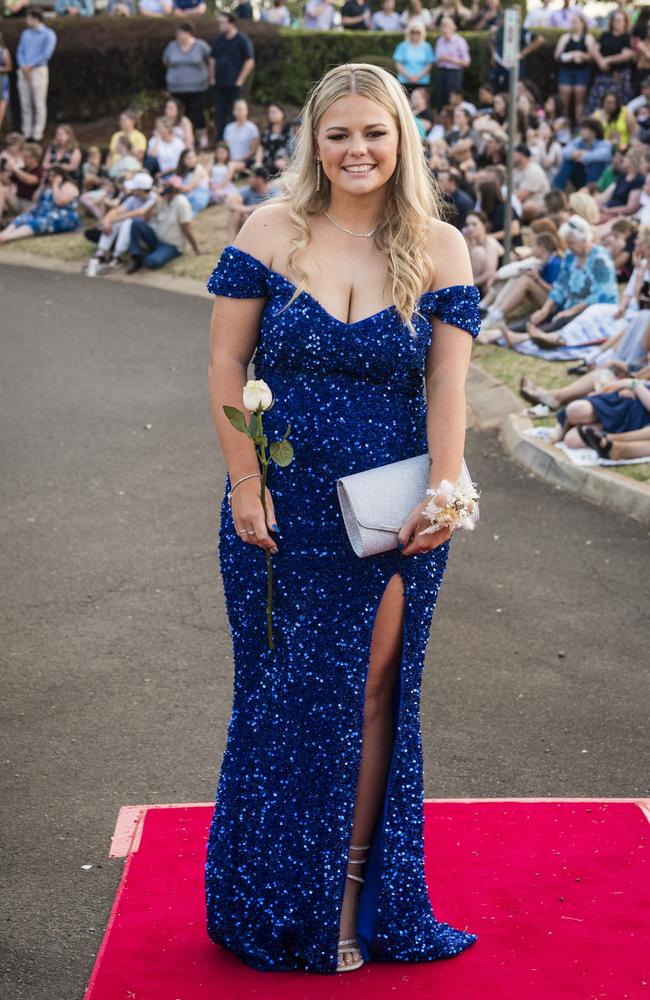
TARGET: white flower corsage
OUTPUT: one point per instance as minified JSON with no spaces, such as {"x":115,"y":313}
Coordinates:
{"x":455,"y":511}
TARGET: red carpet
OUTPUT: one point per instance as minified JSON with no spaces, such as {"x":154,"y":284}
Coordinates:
{"x":557,"y":891}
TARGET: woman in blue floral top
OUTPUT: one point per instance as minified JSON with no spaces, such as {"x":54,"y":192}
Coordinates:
{"x":54,"y":212}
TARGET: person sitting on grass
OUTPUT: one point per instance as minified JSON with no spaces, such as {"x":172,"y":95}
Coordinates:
{"x":20,"y":179}
{"x":154,"y":243}
{"x":221,"y":173}
{"x":248,"y":198}
{"x":196,"y":180}
{"x":242,"y":136}
{"x":618,"y":447}
{"x":623,"y":405}
{"x":138,"y":203}
{"x":54,"y":212}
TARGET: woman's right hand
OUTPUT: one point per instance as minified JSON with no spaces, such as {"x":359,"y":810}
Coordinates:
{"x":248,"y":513}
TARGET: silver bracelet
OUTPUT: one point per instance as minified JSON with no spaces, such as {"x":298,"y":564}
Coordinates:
{"x":250,"y":476}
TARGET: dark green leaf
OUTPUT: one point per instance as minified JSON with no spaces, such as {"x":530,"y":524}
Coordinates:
{"x":236,"y":418}
{"x":281,"y":452}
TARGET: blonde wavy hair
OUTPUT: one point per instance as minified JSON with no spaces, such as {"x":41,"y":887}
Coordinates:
{"x":413,"y":196}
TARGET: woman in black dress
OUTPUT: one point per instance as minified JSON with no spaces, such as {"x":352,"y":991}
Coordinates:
{"x":614,"y":57}
{"x":273,"y":151}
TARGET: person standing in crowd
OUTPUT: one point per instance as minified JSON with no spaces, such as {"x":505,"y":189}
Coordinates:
{"x":6,"y":66}
{"x":386,"y":19}
{"x":540,"y":17}
{"x":584,"y":158}
{"x":278,"y":13}
{"x":574,"y":53}
{"x":232,"y":60}
{"x":452,"y":58}
{"x":414,"y":11}
{"x":450,"y":8}
{"x":35,"y":47}
{"x":189,"y":8}
{"x":74,"y":8}
{"x":614,"y":57}
{"x":155,"y":8}
{"x":355,"y":15}
{"x":528,"y":42}
{"x":414,"y":57}
{"x":319,"y":15}
{"x":153,"y":244}
{"x":187,"y":59}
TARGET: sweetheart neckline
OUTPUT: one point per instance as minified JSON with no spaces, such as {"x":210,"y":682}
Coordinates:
{"x":357,"y":322}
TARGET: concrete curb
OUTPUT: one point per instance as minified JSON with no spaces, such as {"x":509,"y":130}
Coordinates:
{"x":491,"y":406}
{"x":153,"y":279}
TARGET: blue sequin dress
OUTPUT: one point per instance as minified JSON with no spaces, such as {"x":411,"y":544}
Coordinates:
{"x":277,"y":850}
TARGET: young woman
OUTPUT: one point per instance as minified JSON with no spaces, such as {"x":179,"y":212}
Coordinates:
{"x":196,"y":180}
{"x":187,"y":78}
{"x":619,"y":125}
{"x":64,"y":152}
{"x":614,"y":57}
{"x":221,"y":174}
{"x":484,"y":250}
{"x":273,"y":150}
{"x":316,"y":834}
{"x":181,"y":125}
{"x":575,"y":53}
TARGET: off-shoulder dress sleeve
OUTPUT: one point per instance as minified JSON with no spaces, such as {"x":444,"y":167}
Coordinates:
{"x":239,"y":275}
{"x":456,"y":305}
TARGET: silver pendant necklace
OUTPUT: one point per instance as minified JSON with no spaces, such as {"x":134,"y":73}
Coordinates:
{"x":349,"y":231}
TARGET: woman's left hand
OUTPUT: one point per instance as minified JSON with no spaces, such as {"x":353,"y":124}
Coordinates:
{"x":414,"y":522}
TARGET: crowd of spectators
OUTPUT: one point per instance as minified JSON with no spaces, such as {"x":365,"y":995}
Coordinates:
{"x":578,"y":285}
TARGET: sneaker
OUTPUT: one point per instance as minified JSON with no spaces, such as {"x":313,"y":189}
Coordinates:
{"x":108,"y":266}
{"x":493,"y":317}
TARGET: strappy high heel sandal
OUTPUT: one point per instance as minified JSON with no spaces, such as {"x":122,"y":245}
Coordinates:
{"x":351,"y":944}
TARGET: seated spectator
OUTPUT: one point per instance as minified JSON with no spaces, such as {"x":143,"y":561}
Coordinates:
{"x":614,"y":57}
{"x":92,"y":167}
{"x":586,"y":277}
{"x":414,"y":57}
{"x":484,"y":250}
{"x":155,"y":8}
{"x":545,"y":148}
{"x":278,"y":13}
{"x":248,"y":198}
{"x":196,"y":180}
{"x":138,"y":202}
{"x":181,"y":125}
{"x":126,"y":163}
{"x":530,"y":286}
{"x":619,"y":242}
{"x":623,"y":406}
{"x":273,"y":150}
{"x":20,"y":178}
{"x":619,"y":124}
{"x":492,"y":202}
{"x":74,"y":8}
{"x":486,"y":97}
{"x":121,"y":8}
{"x":623,"y":196}
{"x":221,"y":174}
{"x":128,"y":127}
{"x":163,"y":148}
{"x":454,"y":196}
{"x":584,"y":158}
{"x":188,"y":8}
{"x":242,"y":136}
{"x":386,"y":19}
{"x":574,"y":54}
{"x":319,"y":15}
{"x":355,"y":15}
{"x":452,"y":58}
{"x":622,"y":446}
{"x":64,"y":152}
{"x":419,"y":101}
{"x":54,"y":212}
{"x":450,"y":8}
{"x":530,"y":182}
{"x":415,"y":11}
{"x":463,"y":140}
{"x":155,"y":242}
{"x":643,"y":215}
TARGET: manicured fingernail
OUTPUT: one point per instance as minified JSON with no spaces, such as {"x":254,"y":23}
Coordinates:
{"x":274,"y":527}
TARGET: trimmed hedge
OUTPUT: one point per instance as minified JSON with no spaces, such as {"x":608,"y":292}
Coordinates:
{"x":105,"y":64}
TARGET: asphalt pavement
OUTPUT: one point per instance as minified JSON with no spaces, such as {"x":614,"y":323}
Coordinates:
{"x":117,"y":662}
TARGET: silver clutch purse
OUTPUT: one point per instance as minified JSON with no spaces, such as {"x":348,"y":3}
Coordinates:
{"x":375,"y":502}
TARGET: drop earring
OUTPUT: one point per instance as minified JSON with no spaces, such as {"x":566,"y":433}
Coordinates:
{"x":318,"y":175}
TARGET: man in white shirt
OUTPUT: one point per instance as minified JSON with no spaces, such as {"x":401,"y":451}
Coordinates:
{"x":539,"y":17}
{"x":242,"y":136}
{"x":153,"y":244}
{"x":319,"y":15}
{"x":116,"y":224}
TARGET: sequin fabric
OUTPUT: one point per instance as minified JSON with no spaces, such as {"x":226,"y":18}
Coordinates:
{"x":277,"y":849}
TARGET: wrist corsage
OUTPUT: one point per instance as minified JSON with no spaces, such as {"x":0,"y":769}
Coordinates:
{"x":456,"y":509}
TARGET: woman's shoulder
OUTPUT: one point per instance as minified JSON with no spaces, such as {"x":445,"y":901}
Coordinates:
{"x":449,"y":256}
{"x":265,"y":230}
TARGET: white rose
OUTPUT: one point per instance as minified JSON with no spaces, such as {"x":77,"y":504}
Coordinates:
{"x":256,"y":391}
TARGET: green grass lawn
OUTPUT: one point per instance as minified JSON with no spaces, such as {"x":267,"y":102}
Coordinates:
{"x":508,"y":366}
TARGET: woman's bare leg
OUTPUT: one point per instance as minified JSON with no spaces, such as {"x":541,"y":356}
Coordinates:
{"x":384,"y":662}
{"x":579,"y":98}
{"x":582,"y":385}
